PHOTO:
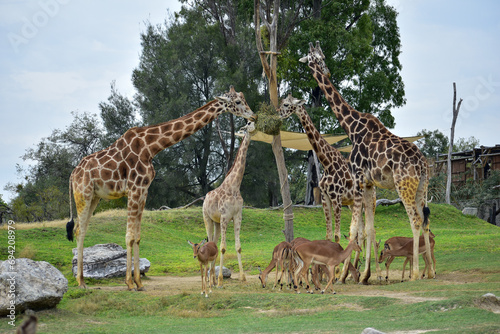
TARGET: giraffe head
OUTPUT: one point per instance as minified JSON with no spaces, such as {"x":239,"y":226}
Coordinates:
{"x":316,"y":57}
{"x":236,"y":104}
{"x":248,"y":128}
{"x":289,"y":106}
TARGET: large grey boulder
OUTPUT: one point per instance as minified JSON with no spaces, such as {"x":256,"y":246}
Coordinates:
{"x":226,"y":273}
{"x":29,"y":284}
{"x":106,"y":261}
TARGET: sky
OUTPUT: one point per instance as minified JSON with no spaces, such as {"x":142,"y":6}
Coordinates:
{"x":60,"y":56}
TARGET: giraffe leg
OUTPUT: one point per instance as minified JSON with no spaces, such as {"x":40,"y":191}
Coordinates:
{"x":137,"y":265}
{"x":223,"y":227}
{"x":216,"y":236}
{"x":369,"y":199}
{"x":237,"y":244}
{"x":327,"y":210}
{"x":132,"y":239}
{"x":84,"y":215}
{"x":361,"y":241}
{"x":406,"y":189}
{"x":209,"y":227}
{"x":356,"y":209}
{"x":421,"y":202}
{"x":337,"y":207}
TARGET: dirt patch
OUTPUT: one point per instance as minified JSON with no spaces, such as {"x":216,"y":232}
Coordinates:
{"x":174,"y":285}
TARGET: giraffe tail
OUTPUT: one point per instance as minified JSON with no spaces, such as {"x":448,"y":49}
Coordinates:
{"x":427,"y":213}
{"x":71,"y":224}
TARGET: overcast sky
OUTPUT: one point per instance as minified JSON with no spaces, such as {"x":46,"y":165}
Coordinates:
{"x":59,"y":56}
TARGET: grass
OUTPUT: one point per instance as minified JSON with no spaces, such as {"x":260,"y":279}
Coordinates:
{"x":468,"y":266}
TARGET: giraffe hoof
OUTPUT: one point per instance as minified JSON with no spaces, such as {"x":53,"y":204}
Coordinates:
{"x":141,"y":289}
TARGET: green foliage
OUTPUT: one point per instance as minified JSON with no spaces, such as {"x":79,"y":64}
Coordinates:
{"x":433,"y":143}
{"x":465,"y":144}
{"x":44,"y":193}
{"x":473,"y":192}
{"x":118,"y":115}
{"x":362,"y":46}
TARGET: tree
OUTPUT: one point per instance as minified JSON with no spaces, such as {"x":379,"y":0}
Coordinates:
{"x":118,"y":115}
{"x":4,"y":209}
{"x":43,"y":194}
{"x":361,"y":42}
{"x":269,"y":15}
{"x":456,"y":109}
{"x":465,"y":144}
{"x":183,"y":65}
{"x":433,"y":143}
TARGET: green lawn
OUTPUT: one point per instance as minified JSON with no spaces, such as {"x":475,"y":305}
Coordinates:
{"x":468,"y":265}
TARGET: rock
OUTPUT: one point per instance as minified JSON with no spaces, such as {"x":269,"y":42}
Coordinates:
{"x":370,"y":330}
{"x":226,"y":273}
{"x":470,"y":211}
{"x":29,"y":284}
{"x":106,"y":261}
{"x":489,"y":302}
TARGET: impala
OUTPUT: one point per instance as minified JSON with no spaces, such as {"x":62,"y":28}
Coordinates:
{"x":320,"y":252}
{"x":280,"y":260}
{"x":206,"y":254}
{"x":403,"y":246}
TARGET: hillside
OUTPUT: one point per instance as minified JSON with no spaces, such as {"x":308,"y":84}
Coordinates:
{"x":468,"y":266}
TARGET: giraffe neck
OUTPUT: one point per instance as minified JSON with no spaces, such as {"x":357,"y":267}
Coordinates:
{"x":158,"y":137}
{"x":318,"y":143}
{"x":345,"y":114}
{"x":235,"y":175}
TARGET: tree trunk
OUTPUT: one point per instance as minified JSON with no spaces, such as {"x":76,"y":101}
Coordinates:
{"x":456,"y":109}
{"x":271,"y":73}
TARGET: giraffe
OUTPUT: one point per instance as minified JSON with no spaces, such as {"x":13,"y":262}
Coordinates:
{"x":225,"y":203}
{"x":337,"y":184}
{"x":125,"y":169}
{"x":379,"y":159}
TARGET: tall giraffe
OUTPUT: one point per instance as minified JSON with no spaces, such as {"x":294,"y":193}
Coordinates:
{"x":337,"y":183}
{"x":225,"y":203}
{"x":379,"y":159}
{"x":125,"y":169}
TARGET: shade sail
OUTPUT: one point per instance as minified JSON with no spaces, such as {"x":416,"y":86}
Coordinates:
{"x":299,"y":141}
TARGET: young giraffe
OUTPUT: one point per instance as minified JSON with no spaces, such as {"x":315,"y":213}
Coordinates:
{"x":125,"y":169}
{"x":337,"y":183}
{"x":379,"y":159}
{"x":225,"y":203}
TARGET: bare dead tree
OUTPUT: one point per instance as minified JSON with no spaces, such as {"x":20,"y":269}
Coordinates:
{"x":456,"y":109}
{"x":269,"y":13}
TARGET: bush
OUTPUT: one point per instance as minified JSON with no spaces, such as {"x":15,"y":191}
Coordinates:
{"x":472,"y":193}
